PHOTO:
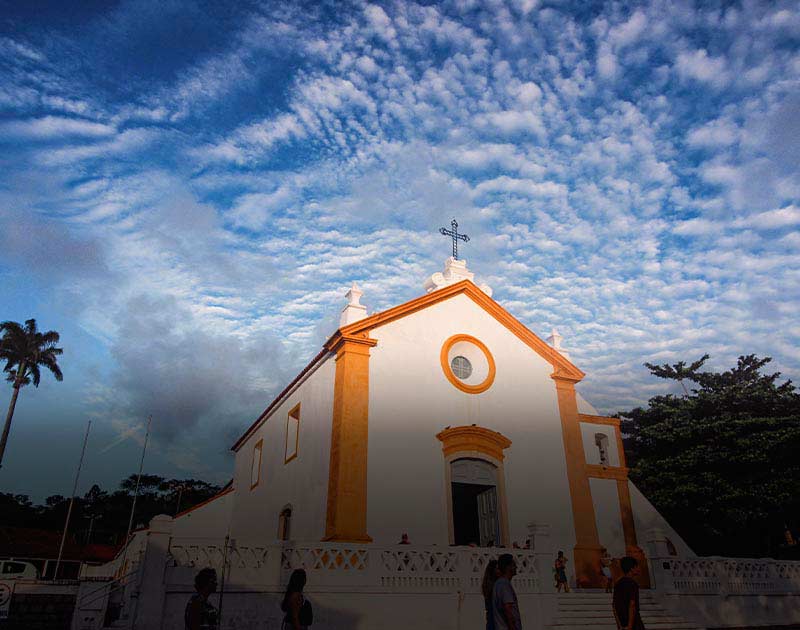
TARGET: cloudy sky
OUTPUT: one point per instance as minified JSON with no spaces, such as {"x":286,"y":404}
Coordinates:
{"x":187,"y":189}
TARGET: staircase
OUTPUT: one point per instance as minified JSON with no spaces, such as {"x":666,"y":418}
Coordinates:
{"x":585,"y":609}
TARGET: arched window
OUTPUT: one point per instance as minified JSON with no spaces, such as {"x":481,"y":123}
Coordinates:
{"x":601,"y":440}
{"x":285,"y":523}
{"x":671,"y":547}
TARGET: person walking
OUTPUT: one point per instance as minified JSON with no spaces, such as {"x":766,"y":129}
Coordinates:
{"x":605,"y":569}
{"x":560,"y":572}
{"x":490,"y":576}
{"x":199,"y":613}
{"x":626,"y":597}
{"x":505,"y":607}
{"x":297,"y":610}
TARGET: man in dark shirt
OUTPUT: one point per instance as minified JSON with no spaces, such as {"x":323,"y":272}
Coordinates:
{"x":626,"y":597}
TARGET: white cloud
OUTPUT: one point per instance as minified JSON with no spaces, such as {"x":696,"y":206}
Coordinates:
{"x":505,"y":184}
{"x":125,"y":143}
{"x":606,"y":62}
{"x":717,"y":133}
{"x":698,"y":65}
{"x":628,"y":32}
{"x":511,"y":122}
{"x":788,"y":216}
{"x":698,"y":227}
{"x":380,"y":22}
{"x":50,"y":127}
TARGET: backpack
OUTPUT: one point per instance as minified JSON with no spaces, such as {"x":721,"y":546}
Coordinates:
{"x":306,"y":613}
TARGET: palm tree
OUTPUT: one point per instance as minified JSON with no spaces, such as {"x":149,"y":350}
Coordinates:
{"x":25,"y":349}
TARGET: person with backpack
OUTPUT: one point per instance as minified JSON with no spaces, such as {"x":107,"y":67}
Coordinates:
{"x":297,"y":610}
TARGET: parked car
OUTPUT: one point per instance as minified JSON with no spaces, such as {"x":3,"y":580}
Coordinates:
{"x":16,"y":570}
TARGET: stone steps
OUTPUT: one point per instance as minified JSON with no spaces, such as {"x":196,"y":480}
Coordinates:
{"x":591,"y":610}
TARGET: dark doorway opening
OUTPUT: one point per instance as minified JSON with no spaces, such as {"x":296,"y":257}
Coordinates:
{"x":475,"y":515}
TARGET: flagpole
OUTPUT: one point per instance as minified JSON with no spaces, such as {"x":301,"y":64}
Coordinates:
{"x":72,"y":500}
{"x":135,"y":495}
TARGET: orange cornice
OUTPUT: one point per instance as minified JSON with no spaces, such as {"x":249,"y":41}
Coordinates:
{"x":473,"y":439}
{"x":341,"y":338}
{"x":586,"y":417}
{"x":563,"y":368}
{"x":606,"y":472}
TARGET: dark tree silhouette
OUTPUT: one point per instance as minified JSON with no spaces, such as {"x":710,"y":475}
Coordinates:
{"x":720,"y":462}
{"x":25,"y":350}
{"x":102,"y":517}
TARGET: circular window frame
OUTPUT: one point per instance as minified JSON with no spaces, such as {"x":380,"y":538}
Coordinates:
{"x":457,"y":382}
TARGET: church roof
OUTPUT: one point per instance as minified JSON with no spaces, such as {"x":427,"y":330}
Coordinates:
{"x":562,"y":367}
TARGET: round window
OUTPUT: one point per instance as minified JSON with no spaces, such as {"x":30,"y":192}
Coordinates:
{"x":461,"y":367}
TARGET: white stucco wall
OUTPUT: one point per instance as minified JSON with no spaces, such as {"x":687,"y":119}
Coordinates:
{"x":646,"y":518}
{"x":210,"y":520}
{"x":584,"y":406}
{"x":302,"y":482}
{"x":605,"y":500}
{"x":411,"y":401}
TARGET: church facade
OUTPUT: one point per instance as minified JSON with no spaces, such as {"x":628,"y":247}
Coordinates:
{"x":442,"y":421}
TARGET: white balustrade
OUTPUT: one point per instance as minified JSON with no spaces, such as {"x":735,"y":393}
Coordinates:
{"x":726,"y":576}
{"x":368,"y":567}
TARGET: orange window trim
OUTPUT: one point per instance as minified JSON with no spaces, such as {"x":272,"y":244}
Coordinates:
{"x":597,"y":471}
{"x":259,"y":447}
{"x":294,"y":414}
{"x":448,"y":371}
{"x":473,"y":439}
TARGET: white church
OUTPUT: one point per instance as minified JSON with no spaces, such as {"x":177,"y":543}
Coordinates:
{"x":420,"y":442}
{"x":445,"y":419}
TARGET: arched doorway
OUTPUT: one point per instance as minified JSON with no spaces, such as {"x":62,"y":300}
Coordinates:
{"x":476,"y":515}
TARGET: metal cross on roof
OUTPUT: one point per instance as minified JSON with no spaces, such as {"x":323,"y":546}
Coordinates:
{"x":453,"y":233}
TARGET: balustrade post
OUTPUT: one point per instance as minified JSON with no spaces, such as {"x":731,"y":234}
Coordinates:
{"x":271,"y":570}
{"x":539,"y":535}
{"x":721,"y":572}
{"x":772,"y":574}
{"x":375,"y":569}
{"x":149,"y":609}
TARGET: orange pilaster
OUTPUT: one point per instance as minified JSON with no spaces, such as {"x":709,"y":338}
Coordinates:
{"x":587,"y":551}
{"x":346,"y":518}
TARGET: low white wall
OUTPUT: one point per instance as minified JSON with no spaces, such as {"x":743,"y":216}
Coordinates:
{"x":716,"y":592}
{"x":361,"y":611}
{"x":735,"y":611}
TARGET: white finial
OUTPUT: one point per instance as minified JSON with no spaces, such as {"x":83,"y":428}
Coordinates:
{"x":354,"y":311}
{"x":354,"y":295}
{"x":455,"y":270}
{"x":555,"y":340}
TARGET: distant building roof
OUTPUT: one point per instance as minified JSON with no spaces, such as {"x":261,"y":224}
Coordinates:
{"x":26,"y":543}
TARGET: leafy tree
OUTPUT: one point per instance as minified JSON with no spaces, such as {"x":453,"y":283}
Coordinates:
{"x":25,"y":350}
{"x":720,"y":462}
{"x":106,"y":513}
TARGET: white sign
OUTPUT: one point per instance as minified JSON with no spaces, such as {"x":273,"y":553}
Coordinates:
{"x":6,"y":590}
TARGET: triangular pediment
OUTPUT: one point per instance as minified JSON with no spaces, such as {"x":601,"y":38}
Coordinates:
{"x":562,"y":367}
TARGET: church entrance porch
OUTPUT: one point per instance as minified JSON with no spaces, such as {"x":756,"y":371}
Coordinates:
{"x":476,"y":518}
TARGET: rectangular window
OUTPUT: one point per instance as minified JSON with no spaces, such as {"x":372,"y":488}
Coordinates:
{"x":292,"y":434}
{"x":255,"y":470}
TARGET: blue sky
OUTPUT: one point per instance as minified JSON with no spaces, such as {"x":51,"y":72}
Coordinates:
{"x":188,"y":189}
